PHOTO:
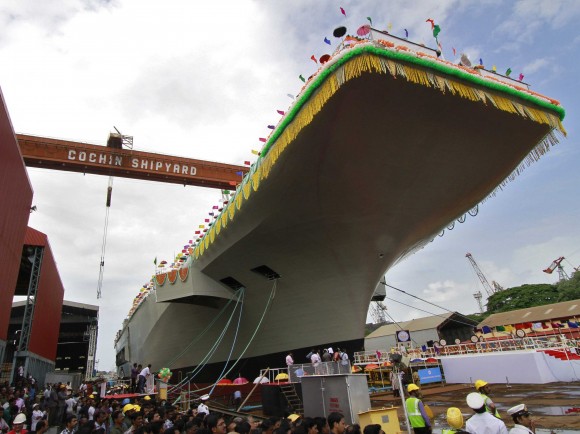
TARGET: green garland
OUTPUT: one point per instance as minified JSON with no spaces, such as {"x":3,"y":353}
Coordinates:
{"x":412,"y":59}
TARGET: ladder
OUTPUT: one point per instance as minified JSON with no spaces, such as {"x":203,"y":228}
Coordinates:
{"x":292,"y":398}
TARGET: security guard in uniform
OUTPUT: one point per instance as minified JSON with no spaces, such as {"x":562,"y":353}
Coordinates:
{"x":484,"y":390}
{"x":523,"y":423}
{"x":416,"y":410}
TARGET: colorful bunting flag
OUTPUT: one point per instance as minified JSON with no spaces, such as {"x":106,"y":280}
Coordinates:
{"x":327,"y":41}
{"x":481,"y":61}
{"x":262,"y":139}
{"x":197,"y":232}
{"x":406,"y":33}
{"x":271,"y":127}
{"x":430,"y":20}
{"x":247,"y":163}
{"x":390,"y":26}
{"x":206,"y":220}
{"x":313,"y":57}
{"x":436,"y":30}
{"x":238,"y":173}
{"x":301,"y":78}
{"x":494,"y":68}
{"x":508,"y":72}
{"x":255,"y":152}
{"x":521,"y":77}
{"x":290,"y":96}
{"x":454,"y":51}
{"x":370,"y":20}
{"x":281,"y":112}
{"x":201,"y":226}
{"x":155,"y":260}
{"x":213,"y":207}
{"x":342,"y":11}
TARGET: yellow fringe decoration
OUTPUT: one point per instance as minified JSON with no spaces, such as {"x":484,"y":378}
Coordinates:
{"x":368,"y":63}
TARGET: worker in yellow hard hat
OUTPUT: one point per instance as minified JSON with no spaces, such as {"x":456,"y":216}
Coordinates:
{"x":455,"y":421}
{"x":418,"y":418}
{"x":484,"y":390}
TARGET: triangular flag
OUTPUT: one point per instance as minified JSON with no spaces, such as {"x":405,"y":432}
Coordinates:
{"x":481,"y":61}
{"x":454,"y":52}
{"x":262,"y":139}
{"x":197,"y":232}
{"x":281,"y":112}
{"x":214,"y":207}
{"x":302,"y":78}
{"x":342,"y":11}
{"x":326,"y":40}
{"x":314,"y":58}
{"x":508,"y":72}
{"x":201,"y":226}
{"x":272,"y":127}
{"x":390,"y":26}
{"x":247,"y":163}
{"x":206,"y":220}
{"x":370,"y":20}
{"x":406,"y":33}
{"x":155,"y":260}
{"x":494,"y":68}
{"x":521,"y":77}
{"x":430,"y":20}
{"x":239,"y":173}
{"x":290,"y":96}
{"x":255,"y":152}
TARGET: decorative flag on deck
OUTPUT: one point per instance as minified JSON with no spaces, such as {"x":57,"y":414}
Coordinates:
{"x":214,"y":207}
{"x":237,"y":173}
{"x":521,"y":77}
{"x":342,"y":11}
{"x":454,"y":51}
{"x":313,"y":57}
{"x":289,"y":95}
{"x":370,"y":20}
{"x":481,"y":61}
{"x":255,"y":152}
{"x":206,"y":220}
{"x":436,"y":31}
{"x":201,"y":226}
{"x":494,"y":68}
{"x":155,"y":260}
{"x":500,"y":328}
{"x":486,"y":329}
{"x":247,"y":163}
{"x":281,"y":112}
{"x":197,"y":232}
{"x":390,"y":26}
{"x":301,"y":78}
{"x":262,"y":139}
{"x":272,"y":127}
{"x":430,"y":20}
{"x":508,"y":72}
{"x":327,"y":41}
{"x":406,"y":33}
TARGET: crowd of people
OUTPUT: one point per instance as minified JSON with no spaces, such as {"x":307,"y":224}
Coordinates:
{"x":485,"y":419}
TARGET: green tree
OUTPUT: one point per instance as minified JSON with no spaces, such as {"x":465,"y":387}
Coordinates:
{"x":569,"y":289}
{"x":523,"y":296}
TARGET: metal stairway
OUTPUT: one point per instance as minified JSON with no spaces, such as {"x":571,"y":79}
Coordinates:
{"x":292,"y":398}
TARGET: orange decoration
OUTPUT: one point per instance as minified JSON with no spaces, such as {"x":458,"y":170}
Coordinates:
{"x":172,"y":276}
{"x":183,"y":273}
{"x":160,"y":278}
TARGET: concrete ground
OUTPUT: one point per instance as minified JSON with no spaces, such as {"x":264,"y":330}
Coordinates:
{"x":553,"y":406}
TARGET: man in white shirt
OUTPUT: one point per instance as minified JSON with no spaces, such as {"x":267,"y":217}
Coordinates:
{"x":482,"y":422}
{"x":289,"y":359}
{"x":202,"y":408}
{"x":143,"y":375}
{"x":522,"y":420}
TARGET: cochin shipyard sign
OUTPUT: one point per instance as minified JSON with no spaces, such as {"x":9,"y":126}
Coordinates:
{"x":108,"y":159}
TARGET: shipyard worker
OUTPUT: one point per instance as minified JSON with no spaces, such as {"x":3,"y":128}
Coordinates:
{"x":117,"y":418}
{"x":336,"y":423}
{"x":484,"y":390}
{"x":455,"y":421}
{"x":136,"y":422}
{"x":522,"y":420}
{"x":418,"y":418}
{"x":143,"y":375}
{"x":18,"y":424}
{"x":4,"y":428}
{"x":482,"y":422}
{"x":289,"y":359}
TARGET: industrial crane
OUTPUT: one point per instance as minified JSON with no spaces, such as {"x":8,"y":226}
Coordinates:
{"x":557,"y":264}
{"x":489,"y":289}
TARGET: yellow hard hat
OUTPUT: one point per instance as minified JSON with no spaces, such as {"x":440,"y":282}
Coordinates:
{"x":454,"y":418}
{"x":147,"y":398}
{"x":137,"y":407}
{"x":412,"y":387}
{"x":128,"y":407}
{"x":480,"y":383}
{"x":92,"y":396}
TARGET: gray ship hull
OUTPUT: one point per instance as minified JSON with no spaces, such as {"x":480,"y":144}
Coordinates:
{"x":376,"y":173}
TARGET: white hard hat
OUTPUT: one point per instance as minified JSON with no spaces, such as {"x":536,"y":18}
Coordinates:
{"x":20,"y":418}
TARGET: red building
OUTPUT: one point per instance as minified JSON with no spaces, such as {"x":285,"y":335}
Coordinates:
{"x":27,"y":268}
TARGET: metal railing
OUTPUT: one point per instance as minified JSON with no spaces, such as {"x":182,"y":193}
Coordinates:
{"x":294,"y":373}
{"x":512,"y":344}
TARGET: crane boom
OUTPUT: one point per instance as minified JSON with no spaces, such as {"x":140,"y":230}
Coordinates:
{"x":112,"y":160}
{"x":490,"y":291}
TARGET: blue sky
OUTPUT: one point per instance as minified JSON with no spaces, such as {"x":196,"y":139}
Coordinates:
{"x":203,"y":80}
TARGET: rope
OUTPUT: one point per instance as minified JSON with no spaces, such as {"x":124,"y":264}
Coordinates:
{"x":268,"y":304}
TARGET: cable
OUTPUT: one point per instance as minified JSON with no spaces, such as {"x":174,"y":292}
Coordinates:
{"x":106,"y":229}
{"x":433,"y":304}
